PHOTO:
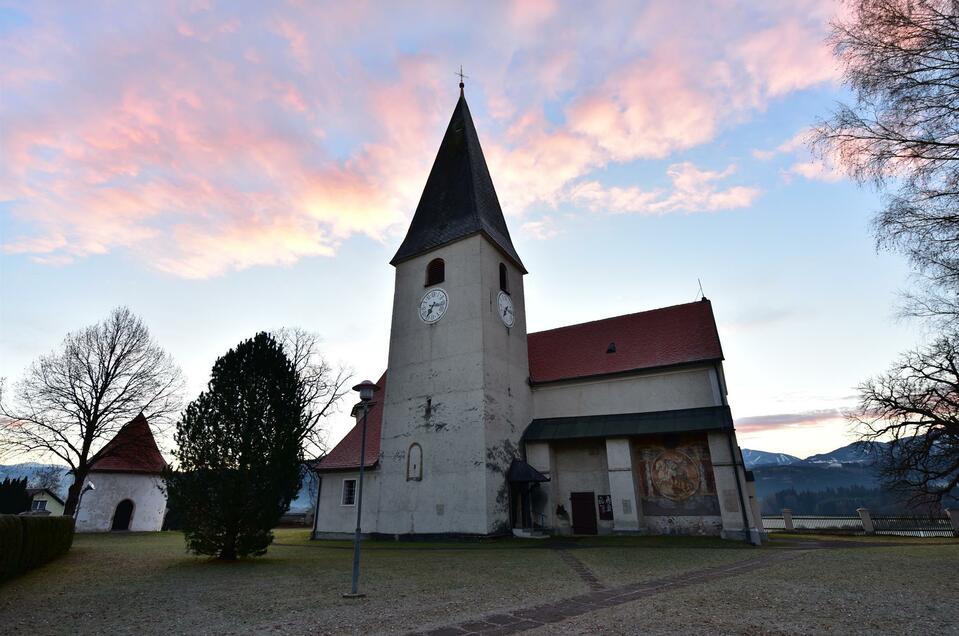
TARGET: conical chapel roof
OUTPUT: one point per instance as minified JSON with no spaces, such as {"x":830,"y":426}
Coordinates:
{"x":132,"y":450}
{"x":459,"y":199}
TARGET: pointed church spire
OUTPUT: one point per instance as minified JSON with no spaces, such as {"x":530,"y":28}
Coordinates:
{"x":459,"y":199}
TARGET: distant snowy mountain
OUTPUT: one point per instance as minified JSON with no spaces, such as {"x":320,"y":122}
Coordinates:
{"x":855,"y":453}
{"x":754,"y":458}
{"x":32,"y":470}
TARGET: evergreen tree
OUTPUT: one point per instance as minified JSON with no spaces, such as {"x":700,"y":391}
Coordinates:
{"x":238,"y":452}
{"x":13,"y":496}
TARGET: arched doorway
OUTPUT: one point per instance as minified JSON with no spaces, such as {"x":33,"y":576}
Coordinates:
{"x":123,"y":515}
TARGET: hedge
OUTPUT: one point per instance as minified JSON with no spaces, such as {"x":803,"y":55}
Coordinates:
{"x":29,"y":542}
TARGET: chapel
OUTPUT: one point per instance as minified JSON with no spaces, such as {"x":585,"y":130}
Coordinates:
{"x":479,"y":428}
{"x":124,"y":488}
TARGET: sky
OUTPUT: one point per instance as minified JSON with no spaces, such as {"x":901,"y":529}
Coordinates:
{"x":223,"y":168}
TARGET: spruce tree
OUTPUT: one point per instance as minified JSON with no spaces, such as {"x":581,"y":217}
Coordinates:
{"x":238,"y":452}
{"x":13,"y":496}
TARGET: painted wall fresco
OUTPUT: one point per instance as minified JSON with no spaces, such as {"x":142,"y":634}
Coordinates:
{"x":674,"y":475}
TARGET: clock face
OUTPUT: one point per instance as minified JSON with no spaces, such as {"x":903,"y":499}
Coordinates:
{"x":433,"y":305}
{"x":505,"y":304}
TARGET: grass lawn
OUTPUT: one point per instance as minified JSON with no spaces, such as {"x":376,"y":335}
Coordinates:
{"x":148,"y":584}
{"x":877,"y":590}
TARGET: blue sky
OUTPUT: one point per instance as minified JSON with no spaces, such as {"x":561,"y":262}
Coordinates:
{"x":227,"y":168}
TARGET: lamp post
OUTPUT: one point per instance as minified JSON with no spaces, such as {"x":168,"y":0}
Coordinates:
{"x":366,"y":390}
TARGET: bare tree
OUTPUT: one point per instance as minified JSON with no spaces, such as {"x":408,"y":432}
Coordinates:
{"x":49,"y":477}
{"x":322,"y":385}
{"x":915,"y":407}
{"x":73,"y":400}
{"x":901,"y":59}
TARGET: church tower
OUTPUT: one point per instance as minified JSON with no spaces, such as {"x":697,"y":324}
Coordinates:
{"x":457,"y":397}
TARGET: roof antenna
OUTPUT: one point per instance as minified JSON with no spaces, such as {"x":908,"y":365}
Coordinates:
{"x":702,"y":295}
{"x":462,"y":77}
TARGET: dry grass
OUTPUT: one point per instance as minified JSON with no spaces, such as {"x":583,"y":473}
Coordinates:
{"x":876,"y":590}
{"x":148,"y":584}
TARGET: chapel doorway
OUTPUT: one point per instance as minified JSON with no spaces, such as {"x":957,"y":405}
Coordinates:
{"x":123,"y":515}
{"x":584,"y":512}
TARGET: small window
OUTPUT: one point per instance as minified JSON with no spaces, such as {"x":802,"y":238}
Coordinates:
{"x":349,"y":492}
{"x":414,"y":463}
{"x":39,"y":505}
{"x":435,"y":272}
{"x":503,"y":278}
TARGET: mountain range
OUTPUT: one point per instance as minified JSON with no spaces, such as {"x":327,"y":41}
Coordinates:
{"x":855,"y":453}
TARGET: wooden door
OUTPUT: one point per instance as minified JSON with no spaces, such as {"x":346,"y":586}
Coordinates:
{"x":584,"y":512}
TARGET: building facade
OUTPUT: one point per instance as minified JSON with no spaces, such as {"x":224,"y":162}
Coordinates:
{"x":618,"y":425}
{"x":44,"y":501}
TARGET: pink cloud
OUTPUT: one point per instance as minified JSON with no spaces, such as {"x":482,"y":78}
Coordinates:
{"x":787,"y":57}
{"x":207,"y":138}
{"x":803,"y":162}
{"x":693,"y":190}
{"x":777,"y":421}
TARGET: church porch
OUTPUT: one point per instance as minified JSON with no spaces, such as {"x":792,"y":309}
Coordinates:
{"x":667,"y":472}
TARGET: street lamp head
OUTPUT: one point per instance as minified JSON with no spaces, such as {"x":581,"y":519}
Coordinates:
{"x":366,"y":390}
{"x":89,"y":486}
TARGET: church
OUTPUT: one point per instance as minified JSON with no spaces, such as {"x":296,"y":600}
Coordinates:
{"x":479,"y":428}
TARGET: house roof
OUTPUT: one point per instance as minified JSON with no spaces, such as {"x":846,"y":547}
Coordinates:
{"x":345,"y":455}
{"x":459,"y":199}
{"x":33,"y":492}
{"x":132,"y":450}
{"x":680,"y":334}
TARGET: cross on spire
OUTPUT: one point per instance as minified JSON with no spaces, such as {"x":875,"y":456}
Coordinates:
{"x":461,"y":76}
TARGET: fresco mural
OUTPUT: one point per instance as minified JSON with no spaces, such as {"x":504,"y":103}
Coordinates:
{"x":674,"y":476}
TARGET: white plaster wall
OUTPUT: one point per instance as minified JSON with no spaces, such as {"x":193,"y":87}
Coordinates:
{"x":508,"y":403}
{"x":688,"y":388}
{"x":474,"y":372}
{"x":98,"y":505}
{"x":580,"y":466}
{"x":622,"y":485}
{"x":727,"y":472}
{"x":333,"y":518}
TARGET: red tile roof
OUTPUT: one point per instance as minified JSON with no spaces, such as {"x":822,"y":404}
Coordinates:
{"x":656,"y":338}
{"x":132,"y":450}
{"x":346,"y":454}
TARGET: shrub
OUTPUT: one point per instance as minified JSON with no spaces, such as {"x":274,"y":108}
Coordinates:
{"x":11,"y":540}
{"x":44,"y":539}
{"x":29,"y":542}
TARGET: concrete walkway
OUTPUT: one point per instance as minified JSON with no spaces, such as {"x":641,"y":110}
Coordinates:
{"x":553,"y":612}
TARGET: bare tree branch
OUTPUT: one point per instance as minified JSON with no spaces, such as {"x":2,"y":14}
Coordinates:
{"x":915,"y":407}
{"x":901,"y":59}
{"x":322,"y":385}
